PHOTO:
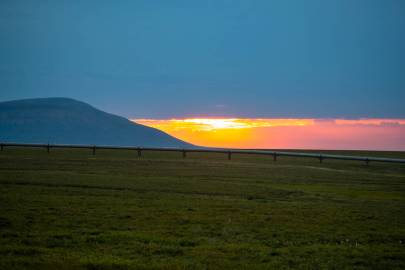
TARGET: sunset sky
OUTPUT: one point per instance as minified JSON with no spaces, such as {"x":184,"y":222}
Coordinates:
{"x":282,"y":74}
{"x":371,"y":134}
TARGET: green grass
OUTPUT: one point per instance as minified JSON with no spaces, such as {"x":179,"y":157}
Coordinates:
{"x":71,"y":210}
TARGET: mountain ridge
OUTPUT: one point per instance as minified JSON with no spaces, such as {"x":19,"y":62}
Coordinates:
{"x":61,"y":120}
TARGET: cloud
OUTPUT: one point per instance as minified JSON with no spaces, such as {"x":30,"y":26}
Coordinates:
{"x":372,"y":122}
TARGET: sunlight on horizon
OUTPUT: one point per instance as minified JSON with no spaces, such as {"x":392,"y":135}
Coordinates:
{"x":215,"y":124}
{"x":306,"y":133}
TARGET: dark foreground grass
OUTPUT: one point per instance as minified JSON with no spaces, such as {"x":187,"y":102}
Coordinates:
{"x":71,"y":210}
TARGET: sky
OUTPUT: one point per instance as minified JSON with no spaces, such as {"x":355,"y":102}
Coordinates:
{"x":270,"y":133}
{"x":170,"y":63}
{"x":176,"y":59}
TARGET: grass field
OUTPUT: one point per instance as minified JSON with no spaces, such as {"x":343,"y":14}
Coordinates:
{"x":71,"y":210}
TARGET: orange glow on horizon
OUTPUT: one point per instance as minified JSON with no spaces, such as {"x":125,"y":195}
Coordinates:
{"x":373,"y":134}
{"x":215,"y":124}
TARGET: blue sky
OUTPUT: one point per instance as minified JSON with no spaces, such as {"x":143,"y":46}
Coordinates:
{"x":162,"y":59}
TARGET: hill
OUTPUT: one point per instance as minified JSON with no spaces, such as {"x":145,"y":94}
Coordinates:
{"x":68,"y":121}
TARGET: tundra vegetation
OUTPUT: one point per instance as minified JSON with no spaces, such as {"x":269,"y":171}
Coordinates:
{"x":68,"y":209}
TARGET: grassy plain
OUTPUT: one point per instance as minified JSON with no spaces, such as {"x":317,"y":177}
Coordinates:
{"x":71,"y":210}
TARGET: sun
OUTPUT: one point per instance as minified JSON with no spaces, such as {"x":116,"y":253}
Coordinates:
{"x":209,"y":124}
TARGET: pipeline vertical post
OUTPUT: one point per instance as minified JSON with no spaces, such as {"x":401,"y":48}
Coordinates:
{"x":229,"y":155}
{"x":367,"y":161}
{"x":184,"y":153}
{"x":94,"y":150}
{"x":320,"y":158}
{"x":139,"y":152}
{"x":275,"y":157}
{"x":48,"y":147}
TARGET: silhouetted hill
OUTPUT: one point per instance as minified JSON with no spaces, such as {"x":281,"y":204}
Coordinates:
{"x":68,"y":121}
